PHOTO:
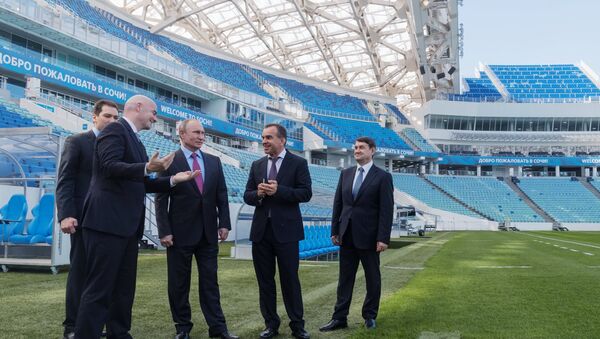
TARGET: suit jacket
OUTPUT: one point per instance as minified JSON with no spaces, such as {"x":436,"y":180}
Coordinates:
{"x":293,"y":187}
{"x":115,"y":202}
{"x":370,"y":214}
{"x":74,"y":175}
{"x":186,"y":213}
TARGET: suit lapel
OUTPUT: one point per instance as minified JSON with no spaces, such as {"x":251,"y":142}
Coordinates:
{"x":367,"y":180}
{"x":137,"y":144}
{"x":348,"y":181}
{"x":262,"y":168}
{"x":284,"y":166}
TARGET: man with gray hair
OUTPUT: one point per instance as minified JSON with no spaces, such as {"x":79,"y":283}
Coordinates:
{"x":191,"y":219}
{"x":113,"y":219}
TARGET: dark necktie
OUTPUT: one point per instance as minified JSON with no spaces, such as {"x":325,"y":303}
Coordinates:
{"x":196,"y":167}
{"x":273,"y":170}
{"x":358,"y":182}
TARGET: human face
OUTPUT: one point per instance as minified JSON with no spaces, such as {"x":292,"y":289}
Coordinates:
{"x":272,"y":143}
{"x":107,"y":115}
{"x":362,"y":153}
{"x":146,"y":114}
{"x":193,"y":136}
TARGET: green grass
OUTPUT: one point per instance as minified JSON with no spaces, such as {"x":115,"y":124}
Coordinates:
{"x":460,"y":295}
{"x":32,"y":303}
{"x":457,"y":294}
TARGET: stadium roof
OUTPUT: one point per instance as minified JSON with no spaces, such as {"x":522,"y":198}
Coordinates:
{"x":367,"y":45}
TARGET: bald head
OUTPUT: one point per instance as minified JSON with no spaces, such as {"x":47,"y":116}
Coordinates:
{"x":141,"y":110}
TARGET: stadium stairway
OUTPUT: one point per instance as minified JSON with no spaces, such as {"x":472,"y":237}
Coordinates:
{"x":483,"y":215}
{"x":590,"y":187}
{"x":511,"y":183}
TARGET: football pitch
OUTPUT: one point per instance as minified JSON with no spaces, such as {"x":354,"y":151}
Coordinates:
{"x":449,"y":285}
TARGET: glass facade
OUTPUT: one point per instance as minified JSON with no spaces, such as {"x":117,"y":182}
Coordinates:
{"x":512,"y":124}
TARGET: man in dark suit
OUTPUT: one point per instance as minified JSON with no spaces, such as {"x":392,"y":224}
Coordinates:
{"x":190,"y":217}
{"x":74,"y":175}
{"x":276,"y":186}
{"x":113,"y":219}
{"x":361,"y":223}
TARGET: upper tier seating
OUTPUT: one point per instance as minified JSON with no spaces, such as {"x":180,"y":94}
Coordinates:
{"x":480,"y":88}
{"x":418,"y":188}
{"x":416,"y":138}
{"x":530,"y":82}
{"x":565,"y":200}
{"x":394,"y":110}
{"x":318,"y":99}
{"x":490,"y":196}
{"x":347,"y":130}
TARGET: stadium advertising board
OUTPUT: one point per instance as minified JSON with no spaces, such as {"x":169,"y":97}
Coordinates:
{"x":520,"y":161}
{"x":19,"y":63}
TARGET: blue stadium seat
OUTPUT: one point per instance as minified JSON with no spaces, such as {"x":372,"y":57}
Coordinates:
{"x":16,"y":211}
{"x":41,"y":225}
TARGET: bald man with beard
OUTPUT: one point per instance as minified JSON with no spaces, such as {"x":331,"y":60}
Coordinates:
{"x":113,"y":219}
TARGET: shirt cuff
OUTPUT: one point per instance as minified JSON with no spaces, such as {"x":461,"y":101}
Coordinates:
{"x":146,"y":170}
{"x":171,"y":181}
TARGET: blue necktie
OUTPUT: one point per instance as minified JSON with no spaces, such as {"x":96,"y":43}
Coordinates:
{"x":358,"y":182}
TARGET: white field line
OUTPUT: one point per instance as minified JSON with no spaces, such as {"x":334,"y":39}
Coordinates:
{"x":404,"y":268}
{"x":562,"y":247}
{"x":561,"y":240}
{"x":502,"y":266}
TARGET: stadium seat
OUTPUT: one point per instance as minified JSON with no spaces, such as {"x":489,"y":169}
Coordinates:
{"x":41,"y":225}
{"x":14,"y":211}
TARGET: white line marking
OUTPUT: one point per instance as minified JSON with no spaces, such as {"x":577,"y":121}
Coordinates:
{"x":503,"y":266}
{"x":586,"y":253}
{"x":555,"y":245}
{"x":567,"y":241}
{"x":564,"y":248}
{"x":404,"y":268}
{"x":572,"y":250}
{"x":593,"y":266}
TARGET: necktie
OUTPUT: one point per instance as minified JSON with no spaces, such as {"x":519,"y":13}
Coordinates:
{"x":196,"y":167}
{"x":273,"y":170}
{"x":358,"y":182}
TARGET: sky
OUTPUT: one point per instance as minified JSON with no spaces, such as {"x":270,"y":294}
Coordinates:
{"x":530,"y":32}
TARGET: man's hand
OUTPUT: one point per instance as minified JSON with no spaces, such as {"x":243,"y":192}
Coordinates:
{"x":184,"y":176}
{"x":223,"y":234}
{"x":167,"y":240}
{"x":261,"y":190}
{"x":68,"y":225}
{"x":381,"y":246}
{"x":270,"y":188}
{"x":335,"y":240}
{"x":157,"y":164}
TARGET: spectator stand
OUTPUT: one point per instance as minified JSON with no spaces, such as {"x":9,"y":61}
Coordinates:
{"x":30,"y":236}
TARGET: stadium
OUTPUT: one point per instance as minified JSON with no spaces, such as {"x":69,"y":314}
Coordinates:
{"x":496,"y":182}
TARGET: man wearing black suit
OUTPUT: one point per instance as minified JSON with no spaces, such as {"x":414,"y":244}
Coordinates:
{"x":113,"y":219}
{"x":74,"y":175}
{"x":276,"y":186}
{"x":361,"y":224}
{"x":190,"y":217}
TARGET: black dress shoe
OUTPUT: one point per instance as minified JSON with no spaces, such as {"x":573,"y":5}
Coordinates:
{"x":333,"y":325}
{"x":300,"y":334}
{"x":182,"y":335}
{"x":370,"y":324}
{"x":269,"y":333}
{"x":225,"y":335}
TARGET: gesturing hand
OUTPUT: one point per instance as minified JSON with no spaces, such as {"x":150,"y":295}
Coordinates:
{"x":184,"y":176}
{"x":157,"y":164}
{"x":335,"y":240}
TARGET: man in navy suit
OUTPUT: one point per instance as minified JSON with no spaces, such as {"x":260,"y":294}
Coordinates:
{"x":74,"y":175}
{"x":276,"y":186}
{"x":113,"y":219}
{"x":191,"y":218}
{"x":361,"y":224}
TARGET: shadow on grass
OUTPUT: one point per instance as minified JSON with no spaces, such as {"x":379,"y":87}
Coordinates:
{"x":396,"y":244}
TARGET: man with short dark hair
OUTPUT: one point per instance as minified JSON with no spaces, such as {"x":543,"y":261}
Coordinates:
{"x":276,"y":186}
{"x":361,"y":224}
{"x":74,"y":175}
{"x":189,"y":219}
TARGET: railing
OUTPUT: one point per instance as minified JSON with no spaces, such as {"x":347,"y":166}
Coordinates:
{"x":68,"y":105}
{"x":511,"y":99}
{"x":335,"y":114}
{"x":91,"y":35}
